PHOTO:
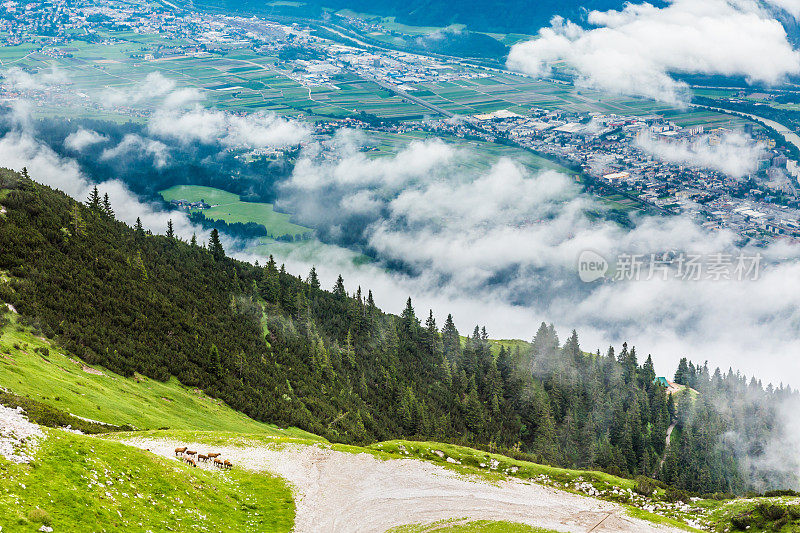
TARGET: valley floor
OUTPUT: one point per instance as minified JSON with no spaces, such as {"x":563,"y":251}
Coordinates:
{"x":337,"y":491}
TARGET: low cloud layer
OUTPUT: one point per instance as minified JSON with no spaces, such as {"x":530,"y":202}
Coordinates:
{"x":19,"y":148}
{"x":82,"y":139}
{"x":635,"y":50}
{"x":141,"y":147}
{"x":734,"y":154}
{"x":500,"y":246}
{"x":253,"y":130}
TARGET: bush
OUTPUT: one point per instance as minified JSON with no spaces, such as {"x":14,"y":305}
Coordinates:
{"x":676,"y":495}
{"x":644,"y":486}
{"x":779,"y":493}
{"x":741,"y":522}
{"x":40,"y":516}
{"x":771,"y":512}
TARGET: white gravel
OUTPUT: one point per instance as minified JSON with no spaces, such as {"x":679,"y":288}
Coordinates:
{"x":18,"y":436}
{"x":345,"y":492}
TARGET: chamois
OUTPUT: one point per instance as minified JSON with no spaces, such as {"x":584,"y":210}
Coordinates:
{"x":180,"y":450}
{"x":228,"y":464}
{"x":213,"y":455}
{"x":218,"y":463}
{"x":202,"y":457}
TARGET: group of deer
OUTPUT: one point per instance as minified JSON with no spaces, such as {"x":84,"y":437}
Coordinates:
{"x":189,"y":456}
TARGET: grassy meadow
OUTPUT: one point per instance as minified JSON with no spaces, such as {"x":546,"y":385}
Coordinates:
{"x":228,"y":207}
{"x":79,"y":483}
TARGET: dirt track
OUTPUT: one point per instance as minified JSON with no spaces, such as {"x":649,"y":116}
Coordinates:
{"x":343,"y":492}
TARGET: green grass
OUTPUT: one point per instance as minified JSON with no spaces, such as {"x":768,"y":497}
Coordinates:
{"x":78,"y":483}
{"x":467,"y":526}
{"x":62,"y":382}
{"x":228,"y":207}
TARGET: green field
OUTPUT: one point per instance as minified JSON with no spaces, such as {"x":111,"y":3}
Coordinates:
{"x":228,"y":207}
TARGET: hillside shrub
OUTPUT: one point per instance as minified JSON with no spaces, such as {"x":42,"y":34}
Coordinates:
{"x":40,"y":516}
{"x":644,"y":486}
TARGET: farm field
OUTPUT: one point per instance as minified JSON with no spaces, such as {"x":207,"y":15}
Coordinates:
{"x":228,"y":207}
{"x":242,"y":80}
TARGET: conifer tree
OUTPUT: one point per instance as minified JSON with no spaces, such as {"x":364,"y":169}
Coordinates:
{"x":107,"y":206}
{"x":94,"y":202}
{"x":138,"y":227}
{"x":313,"y":279}
{"x":170,"y":229}
{"x":193,"y":241}
{"x":215,"y":246}
{"x":338,"y":289}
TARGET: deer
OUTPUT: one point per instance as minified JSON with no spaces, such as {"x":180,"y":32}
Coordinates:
{"x":180,"y":450}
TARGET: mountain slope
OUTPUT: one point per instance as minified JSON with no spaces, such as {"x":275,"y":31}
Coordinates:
{"x":284,"y":351}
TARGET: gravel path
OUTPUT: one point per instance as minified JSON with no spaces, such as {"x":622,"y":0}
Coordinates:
{"x":344,"y":492}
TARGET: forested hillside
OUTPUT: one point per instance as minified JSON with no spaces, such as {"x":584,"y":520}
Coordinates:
{"x":282,"y":349}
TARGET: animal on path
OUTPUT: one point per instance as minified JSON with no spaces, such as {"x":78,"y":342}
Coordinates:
{"x":191,"y":461}
{"x":202,"y":457}
{"x":212,"y":455}
{"x":180,"y":450}
{"x":190,"y":452}
{"x":228,"y":464}
{"x":218,"y":463}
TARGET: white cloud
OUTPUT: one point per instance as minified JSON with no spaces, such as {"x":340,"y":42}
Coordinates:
{"x":138,"y":146}
{"x":253,"y":130}
{"x":153,"y":87}
{"x":634,"y":51}
{"x":17,"y":79}
{"x":734,"y":153}
{"x":19,"y":149}
{"x":499,"y":247}
{"x":82,"y":139}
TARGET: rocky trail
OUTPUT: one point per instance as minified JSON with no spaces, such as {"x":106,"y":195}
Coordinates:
{"x":357,"y":492}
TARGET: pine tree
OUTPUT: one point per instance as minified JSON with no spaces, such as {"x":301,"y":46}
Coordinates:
{"x":313,"y":279}
{"x":107,"y":206}
{"x":94,"y":202}
{"x":338,"y":289}
{"x":138,"y":227}
{"x":451,"y":341}
{"x":215,"y":246}
{"x":193,"y":242}
{"x":682,"y":373}
{"x":170,"y":229}
{"x":216,"y":361}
